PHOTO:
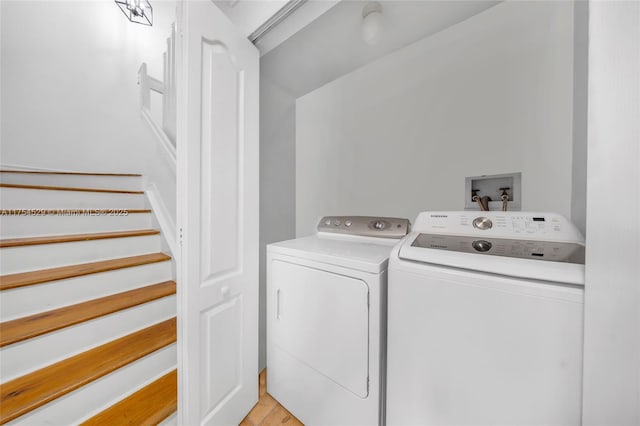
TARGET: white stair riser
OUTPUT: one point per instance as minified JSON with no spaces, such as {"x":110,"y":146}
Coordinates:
{"x":172,"y":420}
{"x":94,"y":397}
{"x":33,"y":299}
{"x":43,"y":256}
{"x":30,"y":355}
{"x":18,"y":226}
{"x":20,"y":198}
{"x":125,"y":183}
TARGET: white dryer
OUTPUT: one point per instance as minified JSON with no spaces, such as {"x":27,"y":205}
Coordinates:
{"x":485,"y":321}
{"x":326,"y":311}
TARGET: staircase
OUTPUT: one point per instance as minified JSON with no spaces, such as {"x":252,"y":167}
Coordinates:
{"x":87,"y":303}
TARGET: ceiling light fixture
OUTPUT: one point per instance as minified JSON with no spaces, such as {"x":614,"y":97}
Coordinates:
{"x":138,"y":11}
{"x":371,"y":22}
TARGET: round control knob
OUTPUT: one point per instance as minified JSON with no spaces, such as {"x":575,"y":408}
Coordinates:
{"x":378,"y":224}
{"x":481,"y":245}
{"x":347,"y":223}
{"x":327,"y":222}
{"x":337,"y":222}
{"x":482,"y":223}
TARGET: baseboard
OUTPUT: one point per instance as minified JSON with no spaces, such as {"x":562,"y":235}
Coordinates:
{"x":168,"y":148}
{"x":163,"y":217}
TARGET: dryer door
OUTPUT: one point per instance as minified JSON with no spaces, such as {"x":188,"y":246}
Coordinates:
{"x":322,"y":319}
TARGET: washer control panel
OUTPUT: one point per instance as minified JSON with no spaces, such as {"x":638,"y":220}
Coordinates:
{"x":489,"y":224}
{"x":368,"y":226}
{"x":552,"y":251}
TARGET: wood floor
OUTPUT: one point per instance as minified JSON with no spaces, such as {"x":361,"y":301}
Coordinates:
{"x":268,"y":411}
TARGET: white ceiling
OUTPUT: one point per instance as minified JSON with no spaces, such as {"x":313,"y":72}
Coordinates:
{"x":248,"y":15}
{"x":332,"y":46}
{"x":307,"y":12}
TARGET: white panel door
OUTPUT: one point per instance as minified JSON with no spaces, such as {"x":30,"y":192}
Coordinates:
{"x":218,"y":217}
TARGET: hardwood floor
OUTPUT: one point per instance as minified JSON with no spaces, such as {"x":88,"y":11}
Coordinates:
{"x":268,"y":411}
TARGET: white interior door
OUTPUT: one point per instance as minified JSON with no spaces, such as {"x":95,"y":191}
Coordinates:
{"x":218,"y":217}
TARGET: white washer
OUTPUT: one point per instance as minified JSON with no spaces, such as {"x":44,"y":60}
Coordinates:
{"x":326,"y":307}
{"x":485,"y":321}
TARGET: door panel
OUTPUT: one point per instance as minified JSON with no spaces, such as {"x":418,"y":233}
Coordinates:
{"x":217,"y":153}
{"x":220,"y":146}
{"x":222,"y":350}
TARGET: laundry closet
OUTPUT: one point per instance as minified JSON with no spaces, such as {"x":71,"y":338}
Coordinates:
{"x":450,"y":91}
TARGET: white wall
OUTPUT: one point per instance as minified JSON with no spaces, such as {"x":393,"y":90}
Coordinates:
{"x":490,"y":95}
{"x":277,"y":177}
{"x":580,"y":115}
{"x":612,"y":292}
{"x":69,"y":93}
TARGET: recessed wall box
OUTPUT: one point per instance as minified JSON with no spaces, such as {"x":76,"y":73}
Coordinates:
{"x":492,"y":186}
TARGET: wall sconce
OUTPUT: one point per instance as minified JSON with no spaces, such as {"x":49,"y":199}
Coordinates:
{"x":371,"y":22}
{"x":138,"y":11}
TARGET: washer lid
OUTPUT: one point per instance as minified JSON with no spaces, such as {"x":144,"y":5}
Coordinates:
{"x":364,"y":254}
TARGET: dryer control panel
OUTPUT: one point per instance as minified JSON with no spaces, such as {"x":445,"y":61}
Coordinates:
{"x":367,"y":226}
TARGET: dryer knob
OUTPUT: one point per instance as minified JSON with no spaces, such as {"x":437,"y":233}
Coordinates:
{"x":378,"y":224}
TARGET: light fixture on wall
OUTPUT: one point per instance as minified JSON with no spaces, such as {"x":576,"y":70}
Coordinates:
{"x":138,"y":11}
{"x":371,"y":22}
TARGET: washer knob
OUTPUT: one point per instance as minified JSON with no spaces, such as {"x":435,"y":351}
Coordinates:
{"x":481,"y":245}
{"x":482,"y":223}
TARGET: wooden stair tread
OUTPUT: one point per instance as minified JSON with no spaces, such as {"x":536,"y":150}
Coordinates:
{"x":44,"y":172}
{"x":52,"y":239}
{"x":26,"y":393}
{"x":70,"y":212}
{"x":66,"y":188}
{"x":45,"y":275}
{"x":45,"y":322}
{"x":148,"y":406}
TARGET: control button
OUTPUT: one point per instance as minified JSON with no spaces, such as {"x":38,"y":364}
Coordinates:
{"x":378,"y":224}
{"x":482,"y":223}
{"x":327,"y":222}
{"x":481,"y":245}
{"x":337,"y":222}
{"x":347,"y":223}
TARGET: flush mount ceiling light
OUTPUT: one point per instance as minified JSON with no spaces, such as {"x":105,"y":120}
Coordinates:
{"x":371,"y":22}
{"x":138,"y":11}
